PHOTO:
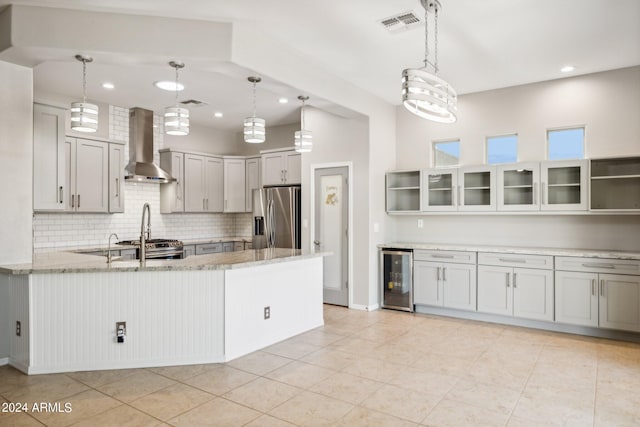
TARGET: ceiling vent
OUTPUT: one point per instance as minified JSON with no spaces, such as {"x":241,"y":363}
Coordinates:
{"x":194,"y":103}
{"x":401,"y":22}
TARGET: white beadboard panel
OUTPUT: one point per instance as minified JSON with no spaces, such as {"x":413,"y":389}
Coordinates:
{"x":292,"y":290}
{"x":19,"y":311}
{"x":5,"y":329}
{"x":173,"y":318}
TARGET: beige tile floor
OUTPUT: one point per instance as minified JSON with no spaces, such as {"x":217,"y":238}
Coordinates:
{"x":382,"y":368}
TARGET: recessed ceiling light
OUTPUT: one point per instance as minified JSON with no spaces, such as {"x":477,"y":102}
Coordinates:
{"x":283,"y":100}
{"x":567,"y":68}
{"x":217,"y":114}
{"x":108,"y":85}
{"x":167,"y":85}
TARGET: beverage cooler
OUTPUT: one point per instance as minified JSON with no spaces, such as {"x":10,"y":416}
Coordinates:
{"x":396,"y":277}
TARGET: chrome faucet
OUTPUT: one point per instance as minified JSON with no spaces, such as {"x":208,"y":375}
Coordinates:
{"x":109,"y":247}
{"x":143,"y":238}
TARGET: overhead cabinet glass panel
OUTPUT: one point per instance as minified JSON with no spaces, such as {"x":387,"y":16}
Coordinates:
{"x":439,"y":186}
{"x":564,"y":185}
{"x":518,"y":186}
{"x":478,"y":189}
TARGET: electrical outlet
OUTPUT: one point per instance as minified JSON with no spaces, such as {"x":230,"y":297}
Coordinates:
{"x":267,"y":312}
{"x":420,"y":223}
{"x":121,"y":331}
{"x":18,"y":328}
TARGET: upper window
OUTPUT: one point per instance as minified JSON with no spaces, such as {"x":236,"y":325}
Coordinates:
{"x":502,"y":149}
{"x":446,"y":153}
{"x":565,"y":144}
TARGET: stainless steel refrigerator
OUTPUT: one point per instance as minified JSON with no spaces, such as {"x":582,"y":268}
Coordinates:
{"x":276,"y":217}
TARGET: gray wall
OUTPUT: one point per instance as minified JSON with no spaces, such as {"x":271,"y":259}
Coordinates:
{"x":607,"y":104}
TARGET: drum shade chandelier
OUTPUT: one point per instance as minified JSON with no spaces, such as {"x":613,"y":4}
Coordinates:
{"x":254,"y":127}
{"x":176,"y":118}
{"x":303,"y":139}
{"x":423,"y":92}
{"x":84,"y":116}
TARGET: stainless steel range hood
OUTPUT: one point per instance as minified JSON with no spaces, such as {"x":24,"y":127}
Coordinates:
{"x":141,"y":167}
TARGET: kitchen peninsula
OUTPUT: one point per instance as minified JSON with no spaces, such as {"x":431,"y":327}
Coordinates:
{"x":204,"y":309}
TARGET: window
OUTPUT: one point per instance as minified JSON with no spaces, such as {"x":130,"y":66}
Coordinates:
{"x":446,"y":153}
{"x":565,"y":144}
{"x":502,"y":149}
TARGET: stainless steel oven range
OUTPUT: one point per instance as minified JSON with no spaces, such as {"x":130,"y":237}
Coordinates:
{"x":158,"y":248}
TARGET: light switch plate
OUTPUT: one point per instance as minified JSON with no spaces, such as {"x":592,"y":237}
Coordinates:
{"x":420,"y":223}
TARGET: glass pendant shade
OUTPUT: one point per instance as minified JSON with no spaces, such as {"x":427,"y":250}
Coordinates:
{"x":254,"y":127}
{"x":176,"y":121}
{"x":428,"y":96}
{"x":423,"y":92}
{"x":176,"y":118}
{"x":84,"y":117}
{"x":254,"y":130}
{"x":303,"y":141}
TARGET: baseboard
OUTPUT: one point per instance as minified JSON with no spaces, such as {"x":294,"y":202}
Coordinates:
{"x":4,"y":361}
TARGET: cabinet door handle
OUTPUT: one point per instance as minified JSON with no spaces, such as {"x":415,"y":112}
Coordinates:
{"x":598,"y":265}
{"x":514,"y":280}
{"x":78,"y":201}
{"x":203,"y":208}
{"x":61,"y":194}
{"x":601,"y":287}
{"x":178,"y":191}
{"x":442,"y":256}
{"x":438,"y":273}
{"x":507,"y":276}
{"x":281,"y":175}
{"x":117,"y":187}
{"x":444,"y":274}
{"x":73,"y":201}
{"x":593,"y":287}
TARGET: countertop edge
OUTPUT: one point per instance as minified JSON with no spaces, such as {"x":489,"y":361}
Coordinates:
{"x":588,"y":253}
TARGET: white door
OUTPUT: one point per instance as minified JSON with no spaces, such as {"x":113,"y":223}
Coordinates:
{"x":427,"y":287}
{"x":92,"y":176}
{"x":49,"y":190}
{"x":494,"y":290}
{"x":331,"y":231}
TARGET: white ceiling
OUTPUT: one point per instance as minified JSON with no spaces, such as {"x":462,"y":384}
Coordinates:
{"x":483,"y":45}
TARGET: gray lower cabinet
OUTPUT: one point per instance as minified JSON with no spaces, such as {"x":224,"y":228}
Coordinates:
{"x":507,"y":287}
{"x":128,"y":254}
{"x":450,"y":284}
{"x":189,"y":250}
{"x":208,"y":248}
{"x":227,"y":247}
{"x":593,"y":292}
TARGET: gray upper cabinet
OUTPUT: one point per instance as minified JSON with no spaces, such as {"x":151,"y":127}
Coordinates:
{"x":615,"y":184}
{"x":252,"y":181}
{"x":116,"y":178}
{"x":203,"y":188}
{"x":86,"y":175}
{"x":49,"y":189}
{"x":234,"y":184}
{"x":281,"y":168}
{"x":172,"y":194}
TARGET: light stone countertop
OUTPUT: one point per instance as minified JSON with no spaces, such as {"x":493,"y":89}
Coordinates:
{"x":610,"y":254}
{"x":70,"y":262}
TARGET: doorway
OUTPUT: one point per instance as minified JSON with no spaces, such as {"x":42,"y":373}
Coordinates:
{"x":331,"y":227}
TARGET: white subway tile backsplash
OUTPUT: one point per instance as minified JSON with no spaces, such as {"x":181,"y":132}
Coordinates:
{"x":67,"y":230}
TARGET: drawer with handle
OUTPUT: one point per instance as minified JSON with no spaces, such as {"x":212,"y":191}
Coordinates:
{"x":544,"y":262}
{"x":210,"y":248}
{"x":459,"y":257}
{"x":598,"y":265}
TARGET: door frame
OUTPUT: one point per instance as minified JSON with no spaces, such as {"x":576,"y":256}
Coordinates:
{"x":312,"y":213}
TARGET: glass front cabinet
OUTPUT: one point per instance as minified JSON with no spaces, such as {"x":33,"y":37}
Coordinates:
{"x":439,"y":188}
{"x":563,"y":185}
{"x":518,"y":188}
{"x":477,"y":189}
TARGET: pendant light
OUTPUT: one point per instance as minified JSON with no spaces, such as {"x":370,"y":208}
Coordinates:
{"x":424,"y":93}
{"x":84,"y":116}
{"x":303,"y":139}
{"x":254,"y":127}
{"x":176,"y":118}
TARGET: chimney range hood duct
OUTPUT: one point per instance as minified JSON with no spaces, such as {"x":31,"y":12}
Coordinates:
{"x":141,"y":167}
